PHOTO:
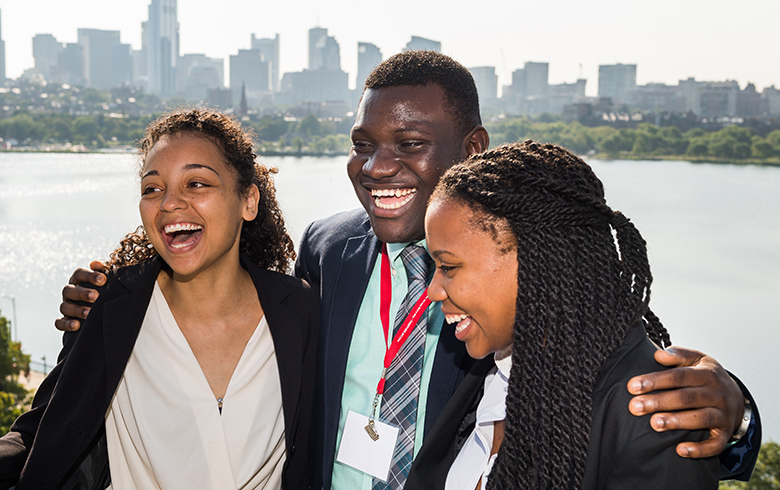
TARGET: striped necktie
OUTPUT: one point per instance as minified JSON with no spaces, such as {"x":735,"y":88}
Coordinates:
{"x":399,"y":402}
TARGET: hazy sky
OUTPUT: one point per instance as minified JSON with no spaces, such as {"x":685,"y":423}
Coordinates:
{"x":668,"y":39}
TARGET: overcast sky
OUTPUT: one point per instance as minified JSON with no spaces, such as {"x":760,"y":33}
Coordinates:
{"x":672,"y":40}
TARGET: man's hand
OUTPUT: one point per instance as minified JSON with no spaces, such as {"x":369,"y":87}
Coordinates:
{"x":73,"y":293}
{"x":702,"y":396}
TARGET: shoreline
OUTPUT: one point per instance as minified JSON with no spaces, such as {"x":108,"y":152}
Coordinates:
{"x":774,"y":162}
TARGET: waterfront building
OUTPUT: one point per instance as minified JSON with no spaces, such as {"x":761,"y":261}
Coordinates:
{"x":418,"y":42}
{"x":269,"y":50}
{"x":2,"y":52}
{"x":324,"y":53}
{"x":247,"y":69}
{"x":46,"y":53}
{"x":369,"y":56}
{"x":196,"y":74}
{"x":486,"y":80}
{"x":160,"y":40}
{"x":106,"y":62}
{"x":615,"y":81}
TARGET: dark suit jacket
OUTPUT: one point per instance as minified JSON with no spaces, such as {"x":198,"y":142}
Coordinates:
{"x":60,"y":443}
{"x":623,"y":452}
{"x":337,"y":255}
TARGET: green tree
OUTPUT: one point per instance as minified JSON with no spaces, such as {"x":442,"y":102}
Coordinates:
{"x":766,"y":475}
{"x":12,"y":362}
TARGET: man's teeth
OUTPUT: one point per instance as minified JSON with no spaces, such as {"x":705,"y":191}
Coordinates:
{"x":181,"y":227}
{"x":407,"y":194}
{"x":454,"y":318}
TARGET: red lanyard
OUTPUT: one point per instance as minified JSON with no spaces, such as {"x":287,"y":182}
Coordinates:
{"x":417,"y":311}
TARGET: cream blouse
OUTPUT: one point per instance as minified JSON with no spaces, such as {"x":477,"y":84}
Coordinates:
{"x":164,"y":429}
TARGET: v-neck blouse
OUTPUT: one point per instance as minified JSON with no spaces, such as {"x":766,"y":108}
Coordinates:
{"x":164,"y":429}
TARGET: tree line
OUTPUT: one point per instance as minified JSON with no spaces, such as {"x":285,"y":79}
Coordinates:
{"x":311,"y":135}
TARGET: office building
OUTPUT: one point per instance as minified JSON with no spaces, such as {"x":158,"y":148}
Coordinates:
{"x":248,"y":70}
{"x":160,"y":39}
{"x":369,"y":56}
{"x":615,"y":81}
{"x":196,"y":74}
{"x":324,"y":51}
{"x":486,"y":81}
{"x":46,"y":53}
{"x":418,"y":42}
{"x":106,"y":62}
{"x":269,"y":50}
{"x":2,"y":52}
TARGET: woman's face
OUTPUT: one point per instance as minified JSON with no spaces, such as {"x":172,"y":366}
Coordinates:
{"x":190,"y":205}
{"x":476,"y":276}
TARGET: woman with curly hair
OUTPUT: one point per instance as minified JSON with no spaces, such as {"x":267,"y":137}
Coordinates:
{"x":194,"y":368}
{"x":534,"y":268}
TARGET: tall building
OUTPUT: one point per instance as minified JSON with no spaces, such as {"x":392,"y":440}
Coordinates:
{"x":418,"y":42}
{"x":160,"y":40}
{"x":2,"y":53}
{"x":70,"y":65}
{"x":537,"y":82}
{"x":324,"y":51}
{"x":369,"y":56}
{"x":248,"y":70}
{"x":46,"y":53}
{"x":269,"y":49}
{"x":486,"y":80}
{"x":615,"y":81}
{"x":196,"y":74}
{"x":107,"y":63}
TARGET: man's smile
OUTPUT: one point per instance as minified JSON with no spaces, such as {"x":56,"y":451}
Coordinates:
{"x":393,"y":198}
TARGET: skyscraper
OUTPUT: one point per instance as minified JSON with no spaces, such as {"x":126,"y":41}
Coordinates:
{"x":269,"y":49}
{"x":46,"y":51}
{"x":107,"y":62}
{"x":616,"y":80}
{"x":486,"y":80}
{"x":249,"y":72}
{"x":161,"y":46}
{"x":418,"y":42}
{"x":2,"y":53}
{"x":369,"y":56}
{"x":324,"y":51}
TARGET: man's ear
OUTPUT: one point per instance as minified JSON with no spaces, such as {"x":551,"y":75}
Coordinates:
{"x":476,"y":141}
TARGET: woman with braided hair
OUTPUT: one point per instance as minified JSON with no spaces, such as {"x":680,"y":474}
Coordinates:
{"x":535,"y":268}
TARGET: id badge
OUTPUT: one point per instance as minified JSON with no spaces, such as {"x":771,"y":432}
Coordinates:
{"x":362,"y":452}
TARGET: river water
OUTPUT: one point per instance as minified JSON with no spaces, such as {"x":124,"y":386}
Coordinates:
{"x":713,"y":233}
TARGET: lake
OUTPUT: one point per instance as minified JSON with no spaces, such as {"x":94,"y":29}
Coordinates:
{"x":713,"y":234}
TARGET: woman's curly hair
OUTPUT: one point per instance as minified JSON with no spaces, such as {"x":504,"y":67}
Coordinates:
{"x":264,"y":239}
{"x":578,"y":295}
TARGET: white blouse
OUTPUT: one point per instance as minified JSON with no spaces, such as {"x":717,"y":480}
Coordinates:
{"x":474,"y":462}
{"x":164,"y":429}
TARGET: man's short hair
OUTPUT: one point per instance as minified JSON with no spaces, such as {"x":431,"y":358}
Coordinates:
{"x":413,"y":68}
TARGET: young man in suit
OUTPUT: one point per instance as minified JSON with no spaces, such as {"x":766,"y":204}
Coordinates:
{"x":419,"y":114}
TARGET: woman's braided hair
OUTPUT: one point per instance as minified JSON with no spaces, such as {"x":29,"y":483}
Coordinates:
{"x":578,"y":295}
{"x":264,"y":239}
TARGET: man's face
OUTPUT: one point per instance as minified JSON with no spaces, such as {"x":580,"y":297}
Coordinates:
{"x":402,"y":142}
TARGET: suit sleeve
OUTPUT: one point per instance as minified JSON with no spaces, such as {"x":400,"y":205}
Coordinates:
{"x":15,"y":446}
{"x":306,"y":267}
{"x":738,"y":460}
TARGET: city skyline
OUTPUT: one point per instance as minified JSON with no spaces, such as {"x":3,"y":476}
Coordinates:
{"x":673,"y":41}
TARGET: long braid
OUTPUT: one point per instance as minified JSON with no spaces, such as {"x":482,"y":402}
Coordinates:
{"x":578,"y":295}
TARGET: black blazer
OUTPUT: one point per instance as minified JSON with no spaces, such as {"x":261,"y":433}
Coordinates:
{"x":623,"y":452}
{"x":337,"y":255}
{"x":60,"y":443}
